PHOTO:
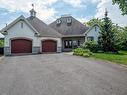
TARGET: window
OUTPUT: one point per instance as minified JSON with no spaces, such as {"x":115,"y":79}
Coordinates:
{"x":68,"y":24}
{"x":75,"y":43}
{"x":68,"y":44}
{"x":78,"y":42}
{"x":95,"y":29}
{"x":58,"y":22}
{"x":69,"y":21}
{"x":90,"y":38}
{"x":21,"y":24}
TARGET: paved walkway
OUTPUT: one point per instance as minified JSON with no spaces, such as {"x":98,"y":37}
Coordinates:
{"x":60,"y":74}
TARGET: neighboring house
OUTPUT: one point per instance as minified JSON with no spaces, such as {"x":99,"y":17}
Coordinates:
{"x":92,"y":33}
{"x":31,"y":35}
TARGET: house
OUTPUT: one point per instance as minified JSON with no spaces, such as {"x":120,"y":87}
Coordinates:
{"x":31,"y":35}
{"x":74,"y":33}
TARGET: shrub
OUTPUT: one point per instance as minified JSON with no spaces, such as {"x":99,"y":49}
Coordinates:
{"x":86,"y":55}
{"x":1,"y":43}
{"x":92,"y":46}
{"x":82,"y":52}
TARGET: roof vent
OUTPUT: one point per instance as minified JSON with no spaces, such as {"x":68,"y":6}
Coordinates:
{"x":32,"y":12}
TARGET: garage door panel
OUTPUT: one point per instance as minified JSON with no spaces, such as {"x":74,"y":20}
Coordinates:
{"x":49,"y":46}
{"x":21,"y":46}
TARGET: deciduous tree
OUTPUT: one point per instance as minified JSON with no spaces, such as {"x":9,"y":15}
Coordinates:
{"x":122,"y":5}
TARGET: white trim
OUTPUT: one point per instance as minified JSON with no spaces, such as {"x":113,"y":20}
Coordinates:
{"x":91,"y":28}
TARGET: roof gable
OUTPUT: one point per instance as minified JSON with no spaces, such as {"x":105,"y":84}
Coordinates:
{"x":91,"y":28}
{"x":16,"y":21}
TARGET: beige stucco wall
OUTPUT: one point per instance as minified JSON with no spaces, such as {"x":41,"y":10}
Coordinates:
{"x":17,"y":32}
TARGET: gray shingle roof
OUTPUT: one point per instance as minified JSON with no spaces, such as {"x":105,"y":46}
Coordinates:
{"x":43,"y":29}
{"x":76,"y":28}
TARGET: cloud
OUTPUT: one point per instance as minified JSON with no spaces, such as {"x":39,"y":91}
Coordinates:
{"x":44,"y":11}
{"x":44,"y":8}
{"x":74,"y":3}
{"x":1,"y":36}
{"x":84,"y":19}
{"x":113,"y":12}
{"x":95,"y":1}
{"x":47,"y":13}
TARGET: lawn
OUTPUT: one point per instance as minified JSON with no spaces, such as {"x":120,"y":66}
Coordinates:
{"x":120,"y":58}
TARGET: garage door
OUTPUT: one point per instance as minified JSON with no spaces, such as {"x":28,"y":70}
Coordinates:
{"x":21,"y":46}
{"x":49,"y":46}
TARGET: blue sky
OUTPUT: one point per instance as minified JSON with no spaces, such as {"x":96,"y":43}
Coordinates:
{"x":49,"y":10}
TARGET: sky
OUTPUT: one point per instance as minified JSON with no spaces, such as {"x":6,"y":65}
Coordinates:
{"x":50,"y":10}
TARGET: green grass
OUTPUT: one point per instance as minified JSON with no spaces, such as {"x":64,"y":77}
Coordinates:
{"x":120,"y":58}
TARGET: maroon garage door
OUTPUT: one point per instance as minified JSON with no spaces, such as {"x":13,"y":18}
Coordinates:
{"x":49,"y":46}
{"x":21,"y":46}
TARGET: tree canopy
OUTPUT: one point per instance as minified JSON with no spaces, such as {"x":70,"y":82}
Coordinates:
{"x":122,"y":5}
{"x":93,"y":21}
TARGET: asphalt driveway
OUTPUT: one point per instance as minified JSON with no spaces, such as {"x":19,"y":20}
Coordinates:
{"x":60,"y":74}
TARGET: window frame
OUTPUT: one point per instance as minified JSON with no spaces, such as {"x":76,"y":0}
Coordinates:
{"x":67,"y":43}
{"x":90,"y":38}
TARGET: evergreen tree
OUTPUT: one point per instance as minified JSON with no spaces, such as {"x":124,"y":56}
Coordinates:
{"x":107,"y":35}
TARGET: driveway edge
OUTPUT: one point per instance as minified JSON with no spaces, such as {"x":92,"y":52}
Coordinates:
{"x":1,"y":58}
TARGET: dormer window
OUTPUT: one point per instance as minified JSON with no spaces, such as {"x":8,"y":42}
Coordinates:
{"x":69,"y":21}
{"x":58,"y":22}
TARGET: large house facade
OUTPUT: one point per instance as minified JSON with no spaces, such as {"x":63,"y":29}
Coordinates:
{"x":31,"y":35}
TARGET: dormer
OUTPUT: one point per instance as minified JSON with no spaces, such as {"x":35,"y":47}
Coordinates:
{"x":58,"y":22}
{"x":69,"y":21}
